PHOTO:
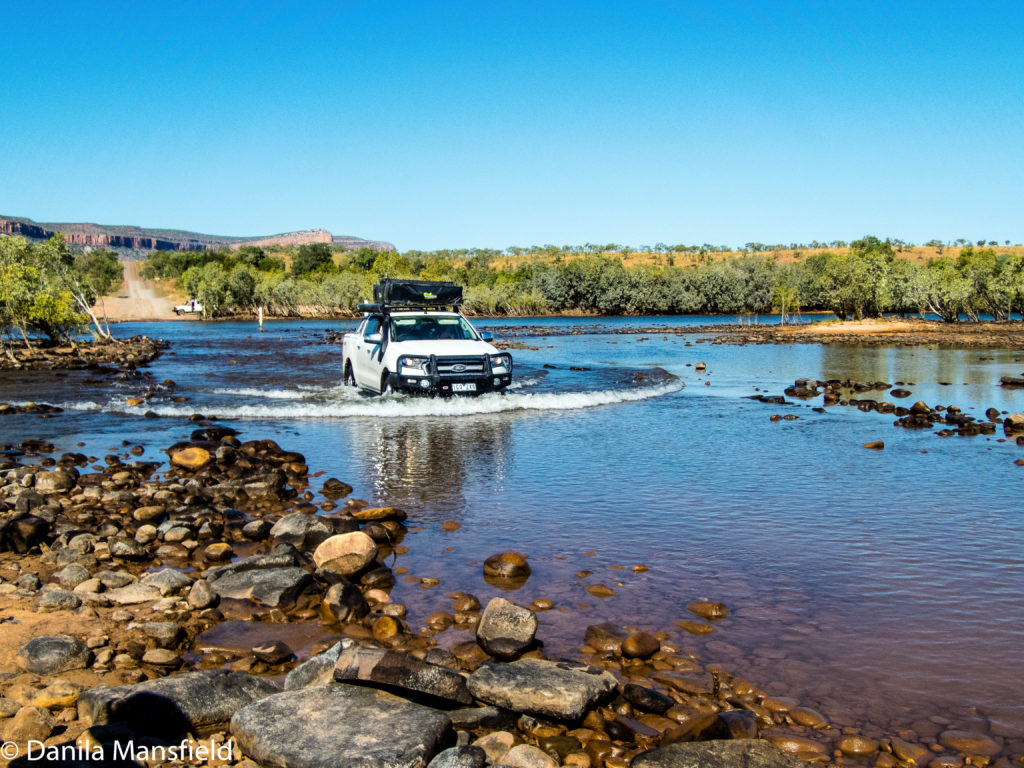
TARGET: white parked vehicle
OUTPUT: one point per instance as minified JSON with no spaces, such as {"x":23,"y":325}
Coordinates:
{"x":190,"y":307}
{"x":413,"y":340}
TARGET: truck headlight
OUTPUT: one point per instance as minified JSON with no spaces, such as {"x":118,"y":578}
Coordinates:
{"x":413,"y":365}
{"x":501,"y":363}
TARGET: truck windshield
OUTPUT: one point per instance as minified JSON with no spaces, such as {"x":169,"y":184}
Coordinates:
{"x":430,"y":328}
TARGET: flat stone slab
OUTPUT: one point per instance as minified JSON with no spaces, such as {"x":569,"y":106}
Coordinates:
{"x":133,"y":594}
{"x":401,"y":670}
{"x":339,"y":726}
{"x":268,"y":586}
{"x":736,"y":753}
{"x":547,"y":688}
{"x":176,"y":704}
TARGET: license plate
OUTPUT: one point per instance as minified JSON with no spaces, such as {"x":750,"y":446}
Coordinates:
{"x":468,"y":386}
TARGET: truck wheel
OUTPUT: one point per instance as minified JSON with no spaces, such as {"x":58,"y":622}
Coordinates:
{"x":349,"y":379}
{"x":385,"y":384}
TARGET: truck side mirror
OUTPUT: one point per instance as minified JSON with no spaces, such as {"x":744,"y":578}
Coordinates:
{"x":486,"y":336}
{"x":374,"y":338}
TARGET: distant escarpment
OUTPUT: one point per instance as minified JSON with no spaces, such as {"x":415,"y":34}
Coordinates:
{"x":139,"y":239}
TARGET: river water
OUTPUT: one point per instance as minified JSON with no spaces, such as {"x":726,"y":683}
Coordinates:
{"x":881,"y":587}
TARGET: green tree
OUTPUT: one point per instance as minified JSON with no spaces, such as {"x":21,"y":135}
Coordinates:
{"x":310,"y":257}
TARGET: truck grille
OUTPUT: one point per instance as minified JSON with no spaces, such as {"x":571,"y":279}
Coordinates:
{"x":460,"y":366}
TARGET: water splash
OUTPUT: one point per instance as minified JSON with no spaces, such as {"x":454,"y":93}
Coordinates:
{"x":346,"y":403}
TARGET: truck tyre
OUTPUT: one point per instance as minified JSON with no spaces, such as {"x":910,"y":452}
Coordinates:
{"x":385,"y":384}
{"x":349,"y":379}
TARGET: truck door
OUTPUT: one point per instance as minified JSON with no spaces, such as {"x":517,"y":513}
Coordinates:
{"x":367,"y":369}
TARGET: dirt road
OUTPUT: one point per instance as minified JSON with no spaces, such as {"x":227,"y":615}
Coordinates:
{"x":138,"y":299}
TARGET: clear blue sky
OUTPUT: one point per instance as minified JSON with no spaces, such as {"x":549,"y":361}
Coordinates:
{"x":490,"y":124}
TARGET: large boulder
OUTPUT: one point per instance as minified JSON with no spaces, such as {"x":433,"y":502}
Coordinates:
{"x":345,"y":553}
{"x":339,"y":726}
{"x":546,"y":688}
{"x":739,"y":753}
{"x":505,"y":629}
{"x":176,"y":705}
{"x":403,"y":671}
{"x":53,"y":654}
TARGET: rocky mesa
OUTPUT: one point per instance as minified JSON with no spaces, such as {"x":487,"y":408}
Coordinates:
{"x":145,"y":239}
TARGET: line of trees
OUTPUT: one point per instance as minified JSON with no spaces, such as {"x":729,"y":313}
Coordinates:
{"x":866,"y":279}
{"x":49,"y":289}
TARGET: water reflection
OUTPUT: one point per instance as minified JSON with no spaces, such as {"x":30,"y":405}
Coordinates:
{"x":427,"y":463}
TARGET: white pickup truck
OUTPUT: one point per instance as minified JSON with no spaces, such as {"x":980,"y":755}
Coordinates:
{"x":419,"y":344}
{"x":190,"y":307}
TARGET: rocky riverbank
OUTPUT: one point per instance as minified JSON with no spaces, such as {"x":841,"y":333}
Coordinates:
{"x":124,"y":354}
{"x":880,"y":333}
{"x":114,"y":572}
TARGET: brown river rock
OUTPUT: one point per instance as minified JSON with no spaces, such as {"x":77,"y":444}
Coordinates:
{"x":708,"y":610}
{"x":857,"y":746}
{"x":507,"y":565}
{"x":970,"y":743}
{"x":192,"y":458}
{"x":695,"y":627}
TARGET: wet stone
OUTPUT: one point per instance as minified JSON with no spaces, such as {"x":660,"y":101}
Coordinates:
{"x":345,"y":601}
{"x":970,"y":743}
{"x":200,"y":596}
{"x":748,"y":753}
{"x":857,"y":746}
{"x":505,"y":629}
{"x":708,"y":610}
{"x":605,"y":638}
{"x":640,"y":645}
{"x":647,"y":699}
{"x":695,"y":627}
{"x":528,"y":756}
{"x":339,"y":726}
{"x":507,"y":565}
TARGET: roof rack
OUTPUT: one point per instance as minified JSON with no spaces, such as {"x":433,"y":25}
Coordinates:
{"x":393,"y":294}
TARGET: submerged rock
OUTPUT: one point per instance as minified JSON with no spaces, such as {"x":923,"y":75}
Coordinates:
{"x":740,"y":753}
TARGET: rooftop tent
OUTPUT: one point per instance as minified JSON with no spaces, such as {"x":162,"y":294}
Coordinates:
{"x":417,"y":293}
